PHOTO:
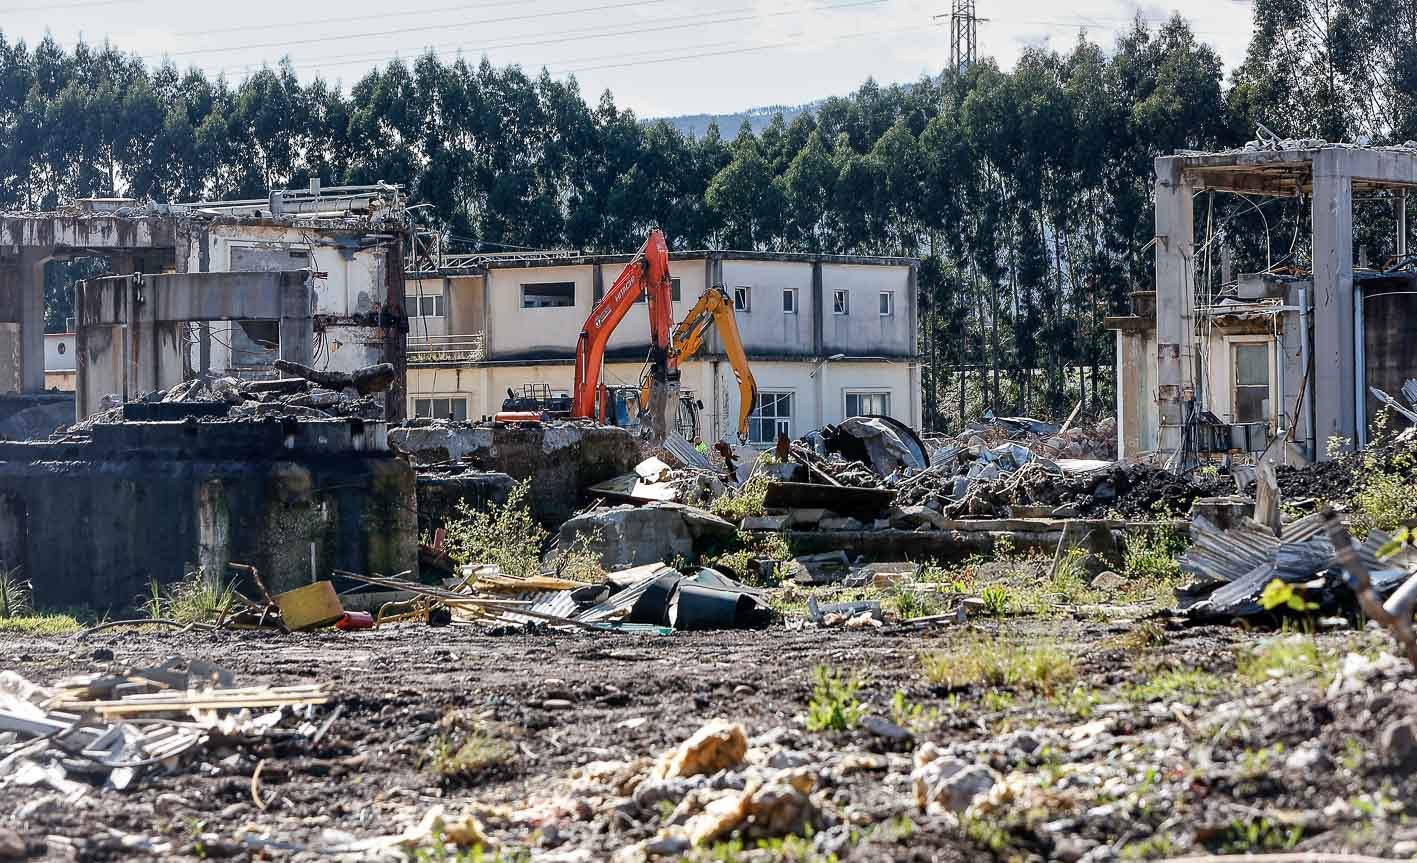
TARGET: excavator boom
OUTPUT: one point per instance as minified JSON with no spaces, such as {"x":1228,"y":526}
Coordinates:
{"x":648,"y":272}
{"x":714,"y":308}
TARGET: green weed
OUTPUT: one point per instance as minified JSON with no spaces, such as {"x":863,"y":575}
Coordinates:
{"x":1188,"y":686}
{"x":1284,"y":656}
{"x":194,"y":599}
{"x":742,"y":502}
{"x":41,"y":624}
{"x":16,"y":595}
{"x":981,"y":662}
{"x":834,"y":705}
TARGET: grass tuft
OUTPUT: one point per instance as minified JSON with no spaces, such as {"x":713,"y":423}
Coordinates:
{"x":466,"y":751}
{"x":982,"y":662}
{"x":16,"y":595}
{"x":192,"y":600}
{"x":41,"y":624}
{"x":834,"y":705}
{"x":1284,"y":656}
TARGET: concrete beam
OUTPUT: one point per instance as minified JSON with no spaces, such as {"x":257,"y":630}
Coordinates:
{"x":50,"y":232}
{"x":181,"y":297}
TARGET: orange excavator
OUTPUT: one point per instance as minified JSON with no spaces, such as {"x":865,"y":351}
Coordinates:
{"x":647,"y":273}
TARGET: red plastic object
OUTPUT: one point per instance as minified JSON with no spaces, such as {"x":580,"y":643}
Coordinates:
{"x":356,"y":620}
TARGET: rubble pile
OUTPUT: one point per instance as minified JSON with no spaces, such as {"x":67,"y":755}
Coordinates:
{"x":336,"y":395}
{"x":111,"y":728}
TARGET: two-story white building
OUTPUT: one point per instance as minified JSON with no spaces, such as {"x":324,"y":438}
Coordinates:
{"x":828,"y":336}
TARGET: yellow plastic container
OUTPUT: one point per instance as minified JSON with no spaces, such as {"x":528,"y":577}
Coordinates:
{"x":310,"y":606}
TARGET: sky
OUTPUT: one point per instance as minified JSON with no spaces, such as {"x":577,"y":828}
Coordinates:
{"x":658,"y":57}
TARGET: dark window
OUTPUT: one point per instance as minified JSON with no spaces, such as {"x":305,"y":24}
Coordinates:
{"x":549,"y":295}
{"x":741,"y":299}
{"x":789,"y":301}
{"x":887,"y":302}
{"x":772,"y":414}
{"x":1251,"y":383}
{"x":868,"y":404}
{"x":841,"y":302}
{"x":441,"y":408}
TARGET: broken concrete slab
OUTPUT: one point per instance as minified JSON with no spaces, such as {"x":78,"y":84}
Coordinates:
{"x":560,"y":459}
{"x":826,"y":568}
{"x":628,"y":535}
{"x":764,"y":522}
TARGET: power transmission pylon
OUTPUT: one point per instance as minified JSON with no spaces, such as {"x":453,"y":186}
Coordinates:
{"x":964,"y":35}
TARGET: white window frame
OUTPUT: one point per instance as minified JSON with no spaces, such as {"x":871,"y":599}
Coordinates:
{"x":780,"y":423}
{"x":416,"y":301}
{"x":1232,"y":368}
{"x":889,"y":298}
{"x":847,"y":395}
{"x":563,"y":282}
{"x":430,"y":403}
{"x":792,"y":293}
{"x":844,"y":307}
{"x":746,"y":293}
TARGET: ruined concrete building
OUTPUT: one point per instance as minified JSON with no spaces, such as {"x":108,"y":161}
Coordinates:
{"x":829,"y":336}
{"x":1284,"y":353}
{"x":206,"y":290}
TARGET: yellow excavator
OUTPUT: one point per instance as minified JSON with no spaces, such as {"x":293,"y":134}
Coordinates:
{"x":713,"y":308}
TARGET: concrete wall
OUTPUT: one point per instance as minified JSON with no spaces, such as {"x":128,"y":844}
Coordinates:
{"x":355,"y":284}
{"x":864,"y":331}
{"x":97,"y":520}
{"x":515,"y":333}
{"x":765,"y":328}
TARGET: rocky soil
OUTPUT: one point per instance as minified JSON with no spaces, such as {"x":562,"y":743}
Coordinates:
{"x":1100,"y":735}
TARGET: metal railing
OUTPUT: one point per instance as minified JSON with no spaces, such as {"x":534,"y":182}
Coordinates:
{"x":433,"y":350}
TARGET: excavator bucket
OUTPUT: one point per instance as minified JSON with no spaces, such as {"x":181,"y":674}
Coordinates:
{"x":657,"y":416}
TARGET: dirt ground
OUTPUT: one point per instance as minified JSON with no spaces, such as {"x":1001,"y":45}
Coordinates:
{"x":1156,"y":747}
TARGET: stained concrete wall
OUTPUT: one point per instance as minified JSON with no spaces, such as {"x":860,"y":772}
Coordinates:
{"x":560,"y":460}
{"x":98,"y":519}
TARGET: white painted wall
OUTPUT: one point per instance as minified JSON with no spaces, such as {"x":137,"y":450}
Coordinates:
{"x":818,"y":390}
{"x":765,"y":328}
{"x":864,"y":331}
{"x":59,"y":352}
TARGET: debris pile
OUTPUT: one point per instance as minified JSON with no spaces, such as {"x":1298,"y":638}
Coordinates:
{"x":653,"y":598}
{"x":306,"y":393}
{"x":111,"y":728}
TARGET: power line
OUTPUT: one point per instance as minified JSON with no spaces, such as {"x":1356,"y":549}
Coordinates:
{"x":579,"y":35}
{"x":344,"y":19}
{"x":53,"y":7}
{"x":419,"y":29}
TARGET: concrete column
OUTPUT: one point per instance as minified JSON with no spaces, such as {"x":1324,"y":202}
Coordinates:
{"x":1175,"y":299}
{"x":1334,"y":410}
{"x":818,"y":323}
{"x":31,"y":291}
{"x":297,"y":327}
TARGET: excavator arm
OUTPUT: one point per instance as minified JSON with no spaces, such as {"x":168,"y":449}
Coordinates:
{"x":648,"y":272}
{"x":714,"y":308}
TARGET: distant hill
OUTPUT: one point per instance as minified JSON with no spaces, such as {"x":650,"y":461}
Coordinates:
{"x":728,"y":124}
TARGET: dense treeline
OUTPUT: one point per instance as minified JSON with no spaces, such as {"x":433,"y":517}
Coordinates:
{"x":1025,"y":193}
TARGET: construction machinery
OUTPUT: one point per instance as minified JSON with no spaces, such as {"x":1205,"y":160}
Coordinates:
{"x":648,"y":274}
{"x":713,"y":308}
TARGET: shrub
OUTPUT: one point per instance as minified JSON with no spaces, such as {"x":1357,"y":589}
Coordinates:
{"x":194,"y":599}
{"x":505,"y":535}
{"x":742,"y":502}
